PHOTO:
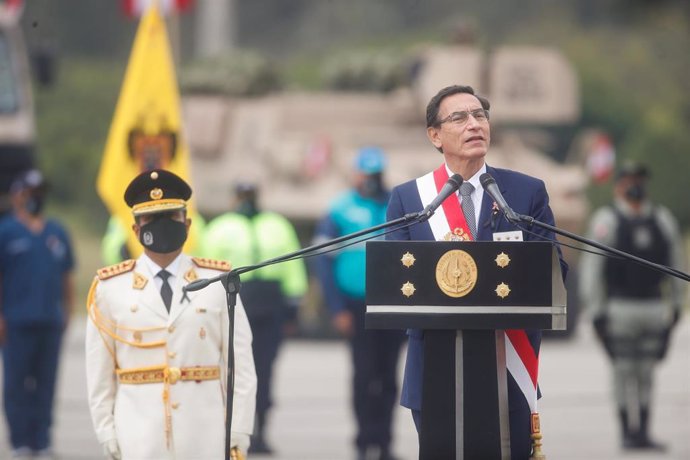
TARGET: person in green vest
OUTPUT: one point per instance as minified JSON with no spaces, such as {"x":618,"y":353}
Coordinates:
{"x":114,"y":243}
{"x":271,"y":295}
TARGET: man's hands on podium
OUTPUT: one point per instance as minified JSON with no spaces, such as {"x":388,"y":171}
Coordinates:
{"x":343,"y":322}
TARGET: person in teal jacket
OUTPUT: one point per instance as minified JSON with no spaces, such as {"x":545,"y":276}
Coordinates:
{"x":271,"y":295}
{"x":375,"y":353}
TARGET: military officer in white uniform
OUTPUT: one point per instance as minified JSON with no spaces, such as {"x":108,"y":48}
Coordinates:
{"x":156,"y":357}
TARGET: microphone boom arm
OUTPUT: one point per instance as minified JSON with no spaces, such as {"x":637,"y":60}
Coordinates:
{"x":231,"y":283}
{"x":202,"y":283}
{"x":658,"y":267}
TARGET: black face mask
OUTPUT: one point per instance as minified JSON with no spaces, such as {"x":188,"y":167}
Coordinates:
{"x":34,"y":204}
{"x":248,"y":208}
{"x":636,"y":193}
{"x":163,"y":235}
{"x":372,"y":187}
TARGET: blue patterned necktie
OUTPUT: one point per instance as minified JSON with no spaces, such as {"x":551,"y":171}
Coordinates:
{"x":466,"y":190}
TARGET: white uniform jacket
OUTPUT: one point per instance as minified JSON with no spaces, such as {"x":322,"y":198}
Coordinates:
{"x":131,"y":338}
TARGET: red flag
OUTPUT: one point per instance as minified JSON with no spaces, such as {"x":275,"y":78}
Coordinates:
{"x":135,"y":8}
{"x":601,"y":158}
{"x":12,"y":8}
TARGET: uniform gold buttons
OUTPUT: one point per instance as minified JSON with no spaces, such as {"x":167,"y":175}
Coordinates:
{"x":174,"y":374}
{"x":171,"y":329}
{"x":175,"y":405}
{"x":172,"y":355}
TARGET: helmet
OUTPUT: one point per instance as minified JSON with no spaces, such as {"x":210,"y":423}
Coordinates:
{"x":31,"y":179}
{"x":632,"y":168}
{"x":370,"y":160}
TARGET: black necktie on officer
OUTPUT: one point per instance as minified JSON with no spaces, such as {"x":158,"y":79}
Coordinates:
{"x":166,"y":290}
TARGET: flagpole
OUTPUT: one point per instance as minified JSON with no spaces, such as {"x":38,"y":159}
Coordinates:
{"x":175,"y":38}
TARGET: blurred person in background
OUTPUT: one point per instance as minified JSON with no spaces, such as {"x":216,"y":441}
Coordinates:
{"x":375,"y":353}
{"x":271,"y":295}
{"x":156,"y":356}
{"x":114,"y":243}
{"x":36,"y":273}
{"x":633,"y":308}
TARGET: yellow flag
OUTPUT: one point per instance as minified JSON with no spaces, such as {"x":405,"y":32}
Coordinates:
{"x":146,"y":131}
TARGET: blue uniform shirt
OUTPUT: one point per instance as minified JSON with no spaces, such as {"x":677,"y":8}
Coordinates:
{"x":32,"y":267}
{"x":343,"y":272}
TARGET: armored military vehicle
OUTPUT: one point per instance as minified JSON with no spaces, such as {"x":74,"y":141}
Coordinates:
{"x":17,"y":126}
{"x":299,"y":146}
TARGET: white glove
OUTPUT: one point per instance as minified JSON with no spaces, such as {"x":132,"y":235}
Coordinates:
{"x":111,"y":450}
{"x":240,"y":440}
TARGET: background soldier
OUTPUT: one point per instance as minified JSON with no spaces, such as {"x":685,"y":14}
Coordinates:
{"x":633,"y":314}
{"x":156,"y":357}
{"x":271,"y":295}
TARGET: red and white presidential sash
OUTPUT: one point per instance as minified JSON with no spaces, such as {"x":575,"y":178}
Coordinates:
{"x":523,"y":364}
{"x":448,"y":223}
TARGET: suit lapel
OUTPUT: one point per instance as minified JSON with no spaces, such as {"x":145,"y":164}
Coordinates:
{"x":180,"y":299}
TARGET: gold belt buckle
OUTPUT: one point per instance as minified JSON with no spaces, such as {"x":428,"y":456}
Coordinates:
{"x":174,"y":374}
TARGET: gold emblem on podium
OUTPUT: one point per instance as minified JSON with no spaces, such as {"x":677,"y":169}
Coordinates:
{"x":456,"y":273}
{"x":502,"y":290}
{"x":408,"y":289}
{"x":457,"y":234}
{"x":408,"y":259}
{"x":502,"y":260}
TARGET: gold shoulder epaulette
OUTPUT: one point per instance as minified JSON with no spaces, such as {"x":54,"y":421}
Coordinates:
{"x":117,"y":269}
{"x":212,"y":263}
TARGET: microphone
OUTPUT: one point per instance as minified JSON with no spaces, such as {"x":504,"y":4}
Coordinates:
{"x":200,"y":284}
{"x":491,"y":187}
{"x":451,"y":186}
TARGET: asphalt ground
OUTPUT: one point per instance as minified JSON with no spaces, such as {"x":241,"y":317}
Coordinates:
{"x":312,"y":419}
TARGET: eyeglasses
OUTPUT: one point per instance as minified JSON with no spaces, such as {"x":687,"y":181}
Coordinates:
{"x":460,"y":118}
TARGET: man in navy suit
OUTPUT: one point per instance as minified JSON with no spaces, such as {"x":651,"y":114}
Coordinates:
{"x":458,"y":126}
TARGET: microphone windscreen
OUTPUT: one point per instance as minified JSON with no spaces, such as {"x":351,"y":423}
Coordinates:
{"x":457,"y":179}
{"x":486,"y":180}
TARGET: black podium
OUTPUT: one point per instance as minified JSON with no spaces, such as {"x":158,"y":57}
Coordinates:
{"x":463,"y":295}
